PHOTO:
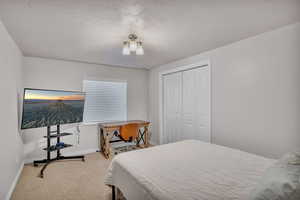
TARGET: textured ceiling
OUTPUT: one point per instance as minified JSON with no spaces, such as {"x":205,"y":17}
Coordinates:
{"x":93,"y":30}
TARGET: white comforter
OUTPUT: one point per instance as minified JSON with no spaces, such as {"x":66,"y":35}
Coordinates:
{"x":186,"y":170}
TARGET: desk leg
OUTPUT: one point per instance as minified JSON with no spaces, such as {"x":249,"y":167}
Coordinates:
{"x":104,"y":144}
{"x":146,"y":136}
{"x":108,"y":134}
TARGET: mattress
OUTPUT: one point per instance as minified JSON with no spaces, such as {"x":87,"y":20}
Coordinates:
{"x":186,"y":170}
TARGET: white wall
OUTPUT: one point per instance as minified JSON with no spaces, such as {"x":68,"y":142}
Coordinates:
{"x":63,"y":75}
{"x":11,"y":147}
{"x":255,"y":92}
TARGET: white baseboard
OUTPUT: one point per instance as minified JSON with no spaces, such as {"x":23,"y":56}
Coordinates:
{"x":153,"y":143}
{"x":14,"y":183}
{"x":82,"y":152}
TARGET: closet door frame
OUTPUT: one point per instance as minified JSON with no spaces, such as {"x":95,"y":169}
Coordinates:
{"x":203,"y":63}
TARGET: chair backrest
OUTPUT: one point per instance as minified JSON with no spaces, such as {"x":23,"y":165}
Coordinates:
{"x":129,"y":132}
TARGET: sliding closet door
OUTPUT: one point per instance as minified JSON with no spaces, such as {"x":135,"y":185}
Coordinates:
{"x":196,"y":104}
{"x":172,"y":95}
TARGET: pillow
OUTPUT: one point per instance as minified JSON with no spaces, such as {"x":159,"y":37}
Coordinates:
{"x":281,"y":181}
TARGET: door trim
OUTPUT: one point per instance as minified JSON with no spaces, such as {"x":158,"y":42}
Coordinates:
{"x":203,"y":63}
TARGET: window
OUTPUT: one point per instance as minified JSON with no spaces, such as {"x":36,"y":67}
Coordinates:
{"x":105,"y":101}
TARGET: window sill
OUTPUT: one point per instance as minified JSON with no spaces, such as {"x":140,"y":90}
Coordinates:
{"x":90,"y":123}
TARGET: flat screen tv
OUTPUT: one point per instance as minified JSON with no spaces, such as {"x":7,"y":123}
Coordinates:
{"x":43,"y":108}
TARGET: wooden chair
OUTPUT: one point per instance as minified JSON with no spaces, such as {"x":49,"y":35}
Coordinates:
{"x":129,"y":132}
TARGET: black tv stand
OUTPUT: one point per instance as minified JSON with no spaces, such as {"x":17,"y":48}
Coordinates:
{"x":56,"y":148}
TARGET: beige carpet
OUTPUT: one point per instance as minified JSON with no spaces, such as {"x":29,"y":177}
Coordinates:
{"x":65,"y":180}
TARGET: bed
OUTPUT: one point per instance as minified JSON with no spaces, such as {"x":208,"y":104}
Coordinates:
{"x":186,"y":170}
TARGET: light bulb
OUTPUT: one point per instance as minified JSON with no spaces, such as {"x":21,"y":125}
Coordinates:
{"x":132,"y":45}
{"x":139,"y":49}
{"x":126,"y":50}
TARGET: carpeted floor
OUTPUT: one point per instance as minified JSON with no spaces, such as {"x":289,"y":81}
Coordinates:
{"x":65,"y":180}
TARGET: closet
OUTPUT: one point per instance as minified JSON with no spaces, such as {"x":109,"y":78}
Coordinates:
{"x":186,"y":105}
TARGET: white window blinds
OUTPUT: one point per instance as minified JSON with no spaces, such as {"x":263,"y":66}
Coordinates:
{"x":105,"y":101}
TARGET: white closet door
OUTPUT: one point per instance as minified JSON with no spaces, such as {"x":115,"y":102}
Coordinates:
{"x":172,"y":90}
{"x":196,"y":104}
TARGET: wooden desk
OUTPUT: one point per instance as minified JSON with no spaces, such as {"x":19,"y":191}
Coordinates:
{"x":107,"y":132}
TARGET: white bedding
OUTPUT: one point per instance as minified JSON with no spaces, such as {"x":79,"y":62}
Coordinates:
{"x":186,"y":170}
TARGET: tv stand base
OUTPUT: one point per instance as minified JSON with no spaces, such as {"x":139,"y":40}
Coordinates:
{"x":47,"y":162}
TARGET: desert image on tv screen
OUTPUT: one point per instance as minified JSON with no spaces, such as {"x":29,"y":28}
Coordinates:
{"x":46,"y":107}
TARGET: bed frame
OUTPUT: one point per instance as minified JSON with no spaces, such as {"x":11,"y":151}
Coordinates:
{"x":113,"y":192}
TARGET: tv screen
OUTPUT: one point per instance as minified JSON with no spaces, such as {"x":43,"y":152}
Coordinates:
{"x":51,"y":107}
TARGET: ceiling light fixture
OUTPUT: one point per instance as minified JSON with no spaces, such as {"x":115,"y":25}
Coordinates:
{"x":133,"y":45}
